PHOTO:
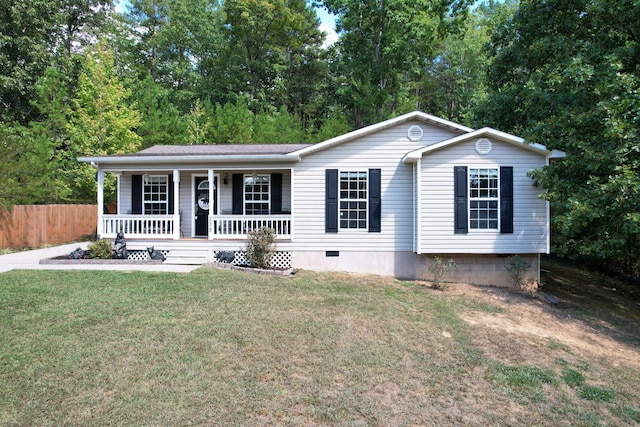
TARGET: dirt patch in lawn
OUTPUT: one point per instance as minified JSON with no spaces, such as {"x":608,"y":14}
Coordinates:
{"x":593,"y":320}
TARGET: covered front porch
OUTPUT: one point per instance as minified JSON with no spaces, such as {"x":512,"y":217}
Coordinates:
{"x":207,"y":204}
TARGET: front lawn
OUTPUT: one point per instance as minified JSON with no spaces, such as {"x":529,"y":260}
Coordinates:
{"x":226,"y":348}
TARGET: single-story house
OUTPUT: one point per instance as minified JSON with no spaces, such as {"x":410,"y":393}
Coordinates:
{"x":379,"y":200}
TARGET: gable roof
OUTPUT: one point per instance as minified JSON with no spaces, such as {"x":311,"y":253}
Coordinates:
{"x":413,"y":116}
{"x":486,"y":132}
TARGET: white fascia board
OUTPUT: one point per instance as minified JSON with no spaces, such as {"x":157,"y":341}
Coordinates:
{"x":413,"y":156}
{"x":174,"y":161}
{"x":416,"y":115}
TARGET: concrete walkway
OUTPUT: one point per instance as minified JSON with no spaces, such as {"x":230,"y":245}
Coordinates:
{"x":30,"y":260}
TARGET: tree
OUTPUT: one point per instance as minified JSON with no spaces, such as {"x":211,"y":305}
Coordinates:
{"x":566,"y":73}
{"x":51,"y":135}
{"x":175,"y":43}
{"x":272,"y":54}
{"x":160,"y":121}
{"x":453,"y":82}
{"x":27,"y":32}
{"x":385,"y":43}
{"x":23,"y":180}
{"x":102,"y":122}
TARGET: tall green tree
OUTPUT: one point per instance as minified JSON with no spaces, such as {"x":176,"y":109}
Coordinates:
{"x":566,"y":73}
{"x":51,"y":135}
{"x":103,"y":122}
{"x":160,"y":120}
{"x":22,"y":167}
{"x":384,"y":44}
{"x":37,"y":34}
{"x":27,"y":34}
{"x":272,"y":55}
{"x":175,"y":42}
{"x":454,"y":81}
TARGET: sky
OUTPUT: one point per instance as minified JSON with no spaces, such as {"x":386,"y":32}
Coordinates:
{"x":327,"y":22}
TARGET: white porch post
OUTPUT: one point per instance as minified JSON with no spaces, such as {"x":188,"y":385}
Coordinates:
{"x":211,"y":203}
{"x":176,"y":204}
{"x":100,"y":231}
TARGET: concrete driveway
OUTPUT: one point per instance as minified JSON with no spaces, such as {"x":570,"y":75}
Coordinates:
{"x":30,"y":260}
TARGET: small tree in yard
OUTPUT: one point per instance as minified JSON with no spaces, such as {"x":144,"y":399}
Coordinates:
{"x":439,"y":269}
{"x":260,"y":247}
{"x":516,"y":269}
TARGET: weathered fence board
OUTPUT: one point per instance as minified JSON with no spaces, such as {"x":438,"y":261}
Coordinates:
{"x":37,"y":225}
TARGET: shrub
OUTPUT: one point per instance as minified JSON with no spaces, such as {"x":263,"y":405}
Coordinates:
{"x":260,"y":247}
{"x":530,"y":287}
{"x":516,"y":268}
{"x":439,"y":269}
{"x":101,"y":249}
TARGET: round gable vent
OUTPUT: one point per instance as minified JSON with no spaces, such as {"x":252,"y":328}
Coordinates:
{"x":415,"y":133}
{"x":483,"y":146}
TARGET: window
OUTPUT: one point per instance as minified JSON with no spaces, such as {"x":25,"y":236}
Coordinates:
{"x":256,"y":195}
{"x":353,"y":199}
{"x":484,"y":199}
{"x":155,"y":193}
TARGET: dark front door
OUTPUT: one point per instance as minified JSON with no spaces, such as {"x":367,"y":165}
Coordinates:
{"x":203,"y":205}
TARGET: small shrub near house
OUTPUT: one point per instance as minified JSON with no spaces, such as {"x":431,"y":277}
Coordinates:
{"x":516,"y":269}
{"x":100,"y":249}
{"x":439,"y":270}
{"x":260,"y":248}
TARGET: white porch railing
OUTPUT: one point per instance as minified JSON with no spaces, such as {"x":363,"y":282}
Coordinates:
{"x":145,"y":226}
{"x":237,"y":226}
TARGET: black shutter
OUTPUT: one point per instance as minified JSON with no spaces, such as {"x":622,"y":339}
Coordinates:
{"x":331,"y":199}
{"x":375,"y":204}
{"x":276,"y":193}
{"x":460,"y":199}
{"x":171,"y":210}
{"x":506,"y":199}
{"x":238,"y":194}
{"x":136,"y":194}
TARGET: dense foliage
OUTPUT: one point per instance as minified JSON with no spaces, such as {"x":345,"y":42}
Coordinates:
{"x":79,"y":78}
{"x":566,"y":73}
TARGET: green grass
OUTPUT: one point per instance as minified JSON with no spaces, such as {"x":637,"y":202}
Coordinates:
{"x":218,"y":347}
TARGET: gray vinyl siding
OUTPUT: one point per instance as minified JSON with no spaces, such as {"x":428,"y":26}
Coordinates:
{"x":437,"y":202}
{"x":383,"y":150}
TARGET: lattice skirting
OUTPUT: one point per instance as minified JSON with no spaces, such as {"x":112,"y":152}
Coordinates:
{"x":281,"y":259}
{"x":142,"y":255}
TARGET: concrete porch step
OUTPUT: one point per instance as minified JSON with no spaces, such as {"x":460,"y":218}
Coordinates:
{"x":187,"y":257}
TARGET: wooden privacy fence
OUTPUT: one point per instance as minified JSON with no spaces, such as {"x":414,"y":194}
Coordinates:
{"x":33,"y":226}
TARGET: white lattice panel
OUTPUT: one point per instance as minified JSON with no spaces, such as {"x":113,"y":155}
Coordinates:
{"x":140,"y":255}
{"x":281,"y":259}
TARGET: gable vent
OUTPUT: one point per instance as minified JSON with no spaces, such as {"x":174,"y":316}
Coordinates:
{"x":415,"y":133}
{"x":483,"y":146}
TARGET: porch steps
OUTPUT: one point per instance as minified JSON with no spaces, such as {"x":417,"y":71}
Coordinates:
{"x":187,"y":257}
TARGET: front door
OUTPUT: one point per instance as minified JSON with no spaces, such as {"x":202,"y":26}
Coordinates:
{"x":203,"y":204}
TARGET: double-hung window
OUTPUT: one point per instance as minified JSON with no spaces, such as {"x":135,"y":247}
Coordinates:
{"x":353,"y":199}
{"x":155,"y":194}
{"x":257,"y":189}
{"x":484,"y":198}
